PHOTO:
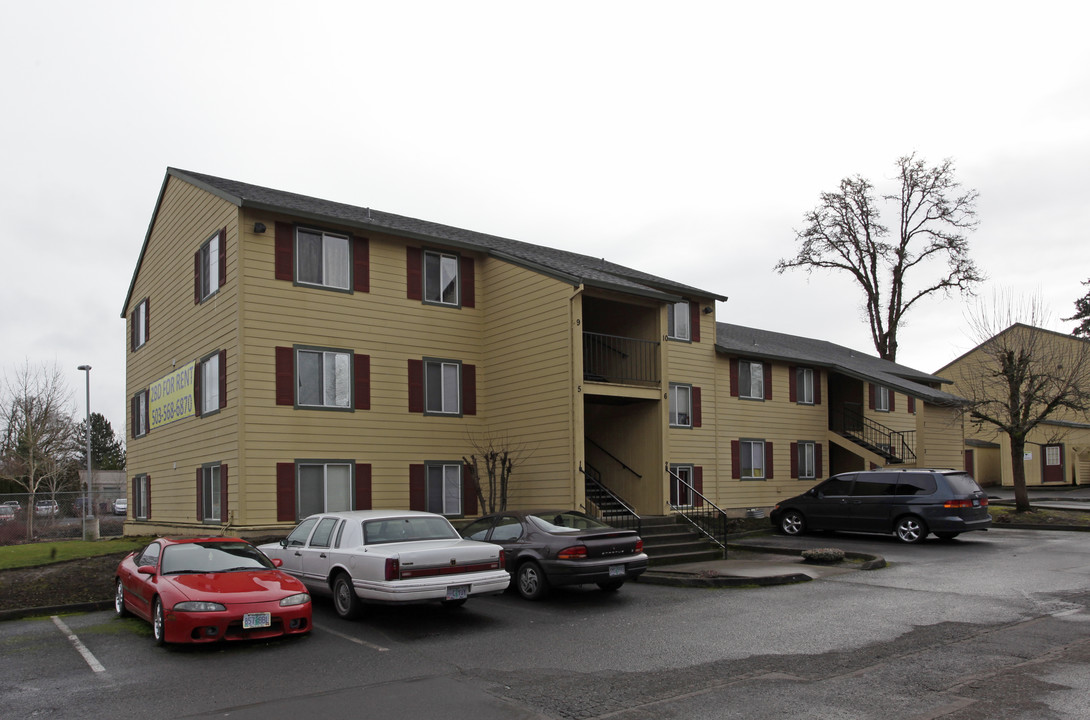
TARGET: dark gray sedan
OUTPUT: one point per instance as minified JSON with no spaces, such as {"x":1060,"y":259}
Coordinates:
{"x":547,"y":548}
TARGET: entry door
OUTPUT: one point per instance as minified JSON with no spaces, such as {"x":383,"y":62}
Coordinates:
{"x":1053,"y":470}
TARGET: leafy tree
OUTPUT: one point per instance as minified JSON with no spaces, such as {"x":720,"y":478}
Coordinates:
{"x":1082,"y":314}
{"x":107,"y":451}
{"x":844,"y":233}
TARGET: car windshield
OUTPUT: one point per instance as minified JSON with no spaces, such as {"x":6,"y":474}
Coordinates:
{"x":212,"y":557}
{"x":407,"y":529}
{"x":565,"y":522}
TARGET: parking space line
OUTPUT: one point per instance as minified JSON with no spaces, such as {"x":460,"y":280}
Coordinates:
{"x":349,"y":638}
{"x":87,"y":656}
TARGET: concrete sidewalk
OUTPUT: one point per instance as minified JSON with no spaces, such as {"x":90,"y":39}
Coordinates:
{"x":1056,"y":497}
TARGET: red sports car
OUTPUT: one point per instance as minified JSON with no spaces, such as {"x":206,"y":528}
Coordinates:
{"x":210,"y":589}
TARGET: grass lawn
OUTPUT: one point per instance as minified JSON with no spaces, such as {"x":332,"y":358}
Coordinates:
{"x":1002,"y":514}
{"x":31,"y":554}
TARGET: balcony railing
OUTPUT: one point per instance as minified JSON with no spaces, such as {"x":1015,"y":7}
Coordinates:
{"x":616,"y":359}
{"x":897,"y":446}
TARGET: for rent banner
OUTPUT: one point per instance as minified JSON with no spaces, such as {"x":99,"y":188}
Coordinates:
{"x":171,"y":398}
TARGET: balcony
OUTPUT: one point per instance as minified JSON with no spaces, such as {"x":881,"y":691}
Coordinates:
{"x":623,"y":360}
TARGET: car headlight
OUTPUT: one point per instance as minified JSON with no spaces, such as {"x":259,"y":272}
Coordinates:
{"x":198,"y":606}
{"x":297,"y":599}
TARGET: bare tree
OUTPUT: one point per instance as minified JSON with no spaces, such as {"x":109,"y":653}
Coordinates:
{"x":1020,"y":376}
{"x":845,"y":233}
{"x":36,"y":421}
{"x":1082,"y":314}
{"x":492,"y":462}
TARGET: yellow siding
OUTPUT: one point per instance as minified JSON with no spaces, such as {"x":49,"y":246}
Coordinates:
{"x":939,"y":439}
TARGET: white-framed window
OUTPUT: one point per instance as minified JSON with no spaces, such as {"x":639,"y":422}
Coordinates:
{"x":210,"y":384}
{"x":681,"y":405}
{"x":751,"y":380}
{"x":442,"y":387}
{"x":441,"y":278}
{"x":804,"y":386}
{"x":323,"y":259}
{"x":752,"y":459}
{"x":140,"y":495}
{"x":211,"y":492}
{"x":323,"y":378}
{"x":806,"y":460}
{"x":140,"y":414}
{"x":323,"y":487}
{"x":681,"y":493}
{"x":1052,"y":455}
{"x":443,"y":488}
{"x":210,"y":266}
{"x":140,"y":324}
{"x":881,"y":398}
{"x":677,"y":321}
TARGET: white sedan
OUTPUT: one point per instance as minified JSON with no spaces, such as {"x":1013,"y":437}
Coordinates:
{"x":388,"y":556}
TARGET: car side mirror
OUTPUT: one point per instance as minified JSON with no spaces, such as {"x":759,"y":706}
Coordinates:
{"x":283,"y":542}
{"x":146,"y":569}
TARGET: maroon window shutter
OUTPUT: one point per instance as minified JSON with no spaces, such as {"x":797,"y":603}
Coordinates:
{"x":735,"y":459}
{"x":285,"y":492}
{"x":363,"y":383}
{"x":223,"y":379}
{"x":361,"y":265}
{"x":734,"y":377}
{"x":135,"y":486}
{"x":817,"y":460}
{"x":416,"y":386}
{"x":911,"y":405}
{"x":817,"y":386}
{"x":132,"y":329}
{"x":414,"y":288}
{"x":469,"y":297}
{"x":197,"y":409}
{"x":223,"y":257}
{"x":792,"y":384}
{"x":197,"y":278}
{"x":469,"y":389}
{"x":871,"y":395}
{"x":147,"y":498}
{"x":794,"y":460}
{"x":698,"y":485}
{"x":766,"y":368}
{"x":285,"y":377}
{"x":696,"y":407}
{"x":147,"y":319}
{"x":469,"y":491}
{"x":147,"y":412}
{"x":694,"y":321}
{"x":134,"y":422}
{"x":418,"y":499}
{"x":892,"y":401}
{"x":285,"y":252}
{"x":223,"y":493}
{"x":363,"y":486}
{"x":768,"y":461}
{"x":200,"y":495}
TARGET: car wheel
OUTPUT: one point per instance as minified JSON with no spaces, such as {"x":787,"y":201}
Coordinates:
{"x":792,"y":523}
{"x":910,"y":529}
{"x":158,"y":631}
{"x":611,"y":585}
{"x":345,"y":601}
{"x":531,"y":581}
{"x":119,"y":600}
{"x":451,"y":604}
{"x":947,"y":535}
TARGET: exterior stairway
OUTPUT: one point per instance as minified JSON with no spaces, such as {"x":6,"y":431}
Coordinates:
{"x":669,"y":540}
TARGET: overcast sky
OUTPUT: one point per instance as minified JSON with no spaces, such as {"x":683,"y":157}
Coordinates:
{"x":686,"y":139}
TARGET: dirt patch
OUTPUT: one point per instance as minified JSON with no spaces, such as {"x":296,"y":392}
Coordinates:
{"x":64,"y":583}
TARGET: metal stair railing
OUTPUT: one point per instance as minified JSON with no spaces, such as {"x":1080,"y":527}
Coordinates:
{"x":600,"y":495}
{"x":895,"y":445}
{"x":703,"y":514}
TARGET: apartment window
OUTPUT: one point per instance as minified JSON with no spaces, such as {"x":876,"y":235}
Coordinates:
{"x":323,"y":487}
{"x":804,"y":386}
{"x":323,"y":259}
{"x":677,"y":321}
{"x":681,"y":485}
{"x":324,"y":378}
{"x":440,"y":278}
{"x":140,"y":324}
{"x":751,"y":380}
{"x":681,"y":404}
{"x":442,"y":387}
{"x":211,"y":492}
{"x":139,"y":414}
{"x":210,"y":378}
{"x":806,"y":458}
{"x":209,"y":270}
{"x":752,"y":459}
{"x":140,"y":500}
{"x":444,"y":488}
{"x":881,"y":398}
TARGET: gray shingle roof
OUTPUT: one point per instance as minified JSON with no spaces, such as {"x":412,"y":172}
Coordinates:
{"x":568,"y":266}
{"x":766,"y":345}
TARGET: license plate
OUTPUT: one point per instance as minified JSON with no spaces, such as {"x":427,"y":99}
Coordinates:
{"x":457,"y":592}
{"x":616,"y":570}
{"x":976,"y":502}
{"x":256,"y":620}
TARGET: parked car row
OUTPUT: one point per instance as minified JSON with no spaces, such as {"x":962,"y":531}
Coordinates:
{"x":44,"y":508}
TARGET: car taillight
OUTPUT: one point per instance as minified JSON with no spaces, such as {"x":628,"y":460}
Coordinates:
{"x":393,"y":569}
{"x":639,"y":545}
{"x":575,"y":552}
{"x":954,"y":504}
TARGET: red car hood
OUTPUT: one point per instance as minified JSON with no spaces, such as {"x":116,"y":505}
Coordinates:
{"x":236,"y":587}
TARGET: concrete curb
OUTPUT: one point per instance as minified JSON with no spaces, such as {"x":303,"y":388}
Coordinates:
{"x":19,"y":613}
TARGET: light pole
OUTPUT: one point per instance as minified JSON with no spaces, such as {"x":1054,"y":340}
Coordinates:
{"x":87,"y":509}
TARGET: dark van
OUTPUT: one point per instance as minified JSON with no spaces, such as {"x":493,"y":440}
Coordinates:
{"x":910,"y":503}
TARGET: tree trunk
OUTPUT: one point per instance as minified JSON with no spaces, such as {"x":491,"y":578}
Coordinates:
{"x":1018,"y":474}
